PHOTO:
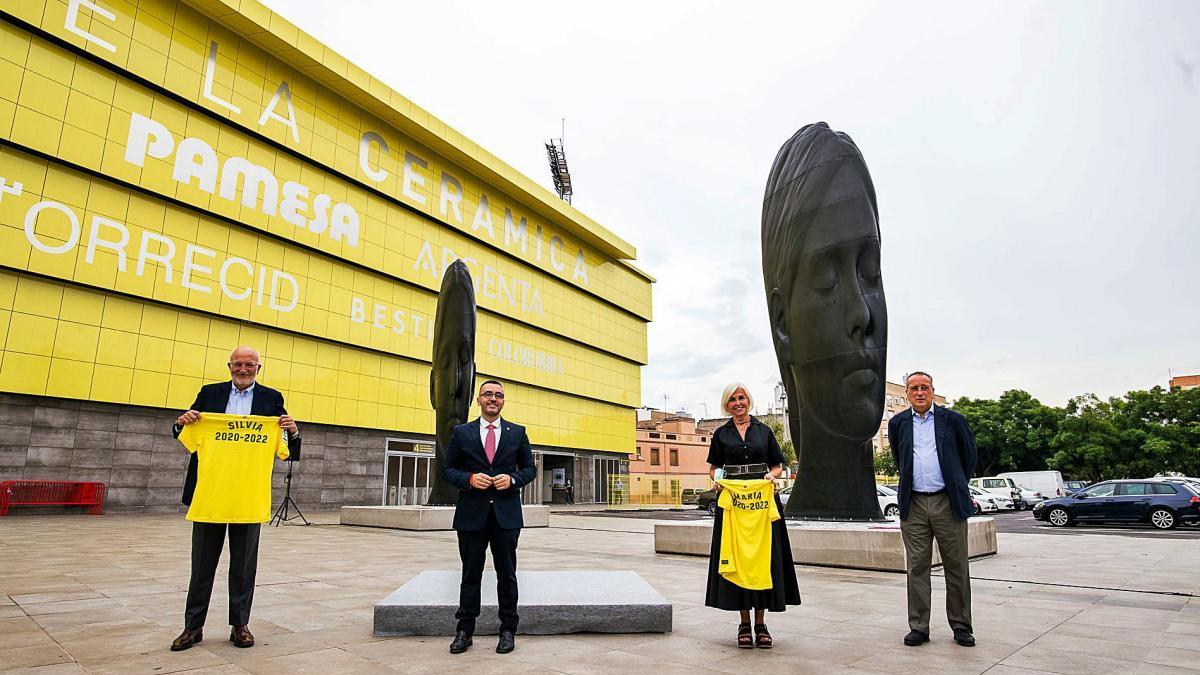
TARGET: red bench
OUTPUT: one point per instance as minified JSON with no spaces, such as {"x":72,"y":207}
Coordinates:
{"x":51,"y":493}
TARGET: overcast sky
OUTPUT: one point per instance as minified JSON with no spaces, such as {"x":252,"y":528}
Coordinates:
{"x":1037,"y":165}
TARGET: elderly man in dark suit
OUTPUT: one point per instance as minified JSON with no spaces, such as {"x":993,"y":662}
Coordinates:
{"x":935,"y":454}
{"x":489,"y":460}
{"x":240,"y":396}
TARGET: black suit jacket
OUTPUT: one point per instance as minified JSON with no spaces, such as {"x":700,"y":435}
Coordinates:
{"x":213,"y":398}
{"x":956,"y":456}
{"x":465,"y":456}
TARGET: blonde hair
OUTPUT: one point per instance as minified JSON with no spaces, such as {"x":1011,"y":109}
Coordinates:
{"x":729,"y":389}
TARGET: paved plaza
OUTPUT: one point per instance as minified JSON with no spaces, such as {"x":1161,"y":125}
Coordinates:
{"x":105,"y":595}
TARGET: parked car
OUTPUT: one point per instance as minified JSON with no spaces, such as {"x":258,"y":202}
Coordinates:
{"x":707,"y":500}
{"x":1002,"y":502}
{"x":1001,"y":486}
{"x":1073,"y":486}
{"x":983,"y":501}
{"x":1163,"y":504}
{"x":784,"y":494}
{"x":1030,"y":497}
{"x":1049,"y":483}
{"x":889,"y":503}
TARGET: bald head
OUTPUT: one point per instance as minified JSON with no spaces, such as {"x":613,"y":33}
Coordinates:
{"x":243,"y":366}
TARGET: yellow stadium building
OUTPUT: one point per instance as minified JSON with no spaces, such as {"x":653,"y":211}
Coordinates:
{"x":179,"y":178}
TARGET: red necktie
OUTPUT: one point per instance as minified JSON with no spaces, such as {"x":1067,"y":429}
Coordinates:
{"x":489,"y":443}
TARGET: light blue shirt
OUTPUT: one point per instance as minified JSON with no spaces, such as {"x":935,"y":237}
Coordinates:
{"x":240,"y":401}
{"x":927,"y":472}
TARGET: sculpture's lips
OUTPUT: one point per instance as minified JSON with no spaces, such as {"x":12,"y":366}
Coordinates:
{"x":862,"y":378}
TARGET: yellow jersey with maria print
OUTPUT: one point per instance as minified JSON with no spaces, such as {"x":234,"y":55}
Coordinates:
{"x":236,"y":454}
{"x":746,"y":532}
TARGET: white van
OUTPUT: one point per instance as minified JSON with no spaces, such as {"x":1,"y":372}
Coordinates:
{"x":1048,"y":483}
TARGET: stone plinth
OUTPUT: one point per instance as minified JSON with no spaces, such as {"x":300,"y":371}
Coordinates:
{"x":551,"y":603}
{"x":426,"y":518}
{"x":867,"y":546}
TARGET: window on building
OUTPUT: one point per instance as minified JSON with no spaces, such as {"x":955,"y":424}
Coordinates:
{"x":703,"y":439}
{"x":654,"y":434}
{"x":674,"y":456}
{"x":654,"y":457}
{"x":654,"y":487}
{"x":671,"y":437}
{"x":639,"y":452}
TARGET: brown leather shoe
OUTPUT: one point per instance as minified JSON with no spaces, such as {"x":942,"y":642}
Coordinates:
{"x":186,"y":639}
{"x":240,"y":636}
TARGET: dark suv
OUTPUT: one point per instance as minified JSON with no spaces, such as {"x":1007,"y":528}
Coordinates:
{"x":1162,"y":504}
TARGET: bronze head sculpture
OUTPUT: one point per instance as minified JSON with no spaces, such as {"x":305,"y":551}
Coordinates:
{"x":821,"y":267}
{"x":452,"y":373}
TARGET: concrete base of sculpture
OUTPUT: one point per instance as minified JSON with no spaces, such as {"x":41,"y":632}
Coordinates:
{"x":864,"y":546}
{"x":426,"y":518}
{"x":551,"y":603}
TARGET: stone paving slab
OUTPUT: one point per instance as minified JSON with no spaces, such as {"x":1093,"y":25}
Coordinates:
{"x":551,"y":603}
{"x":1087,"y":603}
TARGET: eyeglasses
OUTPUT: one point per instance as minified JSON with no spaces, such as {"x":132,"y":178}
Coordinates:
{"x":498,"y":395}
{"x":238,"y":365}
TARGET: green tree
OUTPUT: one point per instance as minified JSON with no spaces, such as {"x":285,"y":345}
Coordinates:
{"x":885,"y":464}
{"x":1012,"y":433}
{"x":789,"y":450}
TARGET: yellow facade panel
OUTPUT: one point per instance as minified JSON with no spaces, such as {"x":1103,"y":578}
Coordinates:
{"x":502,"y":284}
{"x":235,"y":273}
{"x":261,"y":93}
{"x":163,"y":372}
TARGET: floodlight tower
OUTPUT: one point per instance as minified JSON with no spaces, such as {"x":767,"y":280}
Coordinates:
{"x":557,"y":154}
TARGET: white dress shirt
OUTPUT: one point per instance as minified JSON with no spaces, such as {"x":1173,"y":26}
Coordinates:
{"x":483,"y":429}
{"x":927,"y":471}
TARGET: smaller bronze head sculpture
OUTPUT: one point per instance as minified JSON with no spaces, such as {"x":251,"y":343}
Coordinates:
{"x":821,"y":267}
{"x":452,"y":371}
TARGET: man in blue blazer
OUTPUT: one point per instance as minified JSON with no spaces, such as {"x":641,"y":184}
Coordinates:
{"x":489,"y":460}
{"x":935,"y":454}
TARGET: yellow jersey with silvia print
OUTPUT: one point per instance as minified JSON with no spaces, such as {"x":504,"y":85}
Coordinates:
{"x":236,"y":455}
{"x":746,"y":532}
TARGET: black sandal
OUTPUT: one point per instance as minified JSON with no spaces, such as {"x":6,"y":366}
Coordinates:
{"x":762,"y":639}
{"x":745,"y":638}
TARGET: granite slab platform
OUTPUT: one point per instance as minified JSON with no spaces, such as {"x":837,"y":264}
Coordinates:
{"x":865,"y":546}
{"x":552,"y":603}
{"x":426,"y":518}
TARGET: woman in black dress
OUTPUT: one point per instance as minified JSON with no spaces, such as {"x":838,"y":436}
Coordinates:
{"x":746,"y":448}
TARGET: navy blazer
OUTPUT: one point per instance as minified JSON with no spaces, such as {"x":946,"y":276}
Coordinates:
{"x":465,"y":456}
{"x":956,"y":457}
{"x":214,"y":398}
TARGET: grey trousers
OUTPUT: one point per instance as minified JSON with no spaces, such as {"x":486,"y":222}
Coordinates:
{"x":929,"y":518}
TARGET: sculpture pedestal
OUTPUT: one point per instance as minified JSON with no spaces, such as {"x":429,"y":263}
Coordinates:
{"x":552,"y":603}
{"x":426,"y":518}
{"x":864,"y":546}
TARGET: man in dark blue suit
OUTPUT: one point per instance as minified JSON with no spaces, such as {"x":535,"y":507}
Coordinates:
{"x":935,"y":454}
{"x":489,"y":461}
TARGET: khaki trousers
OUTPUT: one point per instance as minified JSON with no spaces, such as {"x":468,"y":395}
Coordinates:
{"x":929,"y":518}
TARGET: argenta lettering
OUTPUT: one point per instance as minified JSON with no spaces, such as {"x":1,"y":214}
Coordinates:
{"x":195,"y":160}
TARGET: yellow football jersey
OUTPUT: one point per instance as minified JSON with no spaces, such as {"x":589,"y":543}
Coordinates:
{"x":236,"y":455}
{"x":746,"y":532}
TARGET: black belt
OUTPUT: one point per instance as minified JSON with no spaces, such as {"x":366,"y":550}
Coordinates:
{"x":745,"y":470}
{"x":930,"y":494}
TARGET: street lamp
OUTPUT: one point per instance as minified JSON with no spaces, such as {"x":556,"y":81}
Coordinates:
{"x":705,"y":408}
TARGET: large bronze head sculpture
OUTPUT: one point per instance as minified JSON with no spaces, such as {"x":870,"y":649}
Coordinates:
{"x":821,"y":266}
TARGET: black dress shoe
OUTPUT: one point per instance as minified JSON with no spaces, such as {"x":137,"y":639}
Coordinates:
{"x":916,"y":637}
{"x":963,"y":637}
{"x":507,"y":643}
{"x":186,"y":639}
{"x":462,"y":642}
{"x":241,"y":636}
